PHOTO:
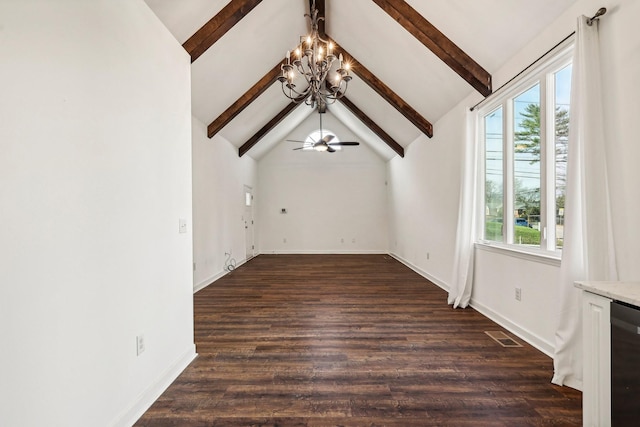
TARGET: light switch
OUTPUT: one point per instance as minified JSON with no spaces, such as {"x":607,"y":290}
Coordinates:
{"x":182,"y":228}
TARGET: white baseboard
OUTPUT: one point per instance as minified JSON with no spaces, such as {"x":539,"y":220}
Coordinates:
{"x":153,"y":392}
{"x":206,"y":282}
{"x":531,"y":338}
{"x":421,"y":272}
{"x":325,"y":252}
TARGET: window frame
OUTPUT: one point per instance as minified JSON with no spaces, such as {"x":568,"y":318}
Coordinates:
{"x":543,"y":73}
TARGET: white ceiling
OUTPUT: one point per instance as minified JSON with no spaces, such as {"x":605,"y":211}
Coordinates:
{"x":490,"y":31}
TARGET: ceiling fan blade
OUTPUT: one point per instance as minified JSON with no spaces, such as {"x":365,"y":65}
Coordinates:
{"x":328,"y":138}
{"x":299,"y":148}
{"x":331,"y":150}
{"x":294,"y":140}
{"x":344,"y":143}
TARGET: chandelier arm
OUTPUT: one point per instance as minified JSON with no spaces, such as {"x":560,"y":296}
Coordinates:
{"x":330,"y":100}
{"x":305,"y":74}
{"x":288,"y":95}
{"x":290,"y":88}
{"x":330,"y":95}
{"x":321,"y":39}
{"x":340,"y":91}
{"x":313,"y":66}
{"x":293,"y":90}
{"x":296,"y":99}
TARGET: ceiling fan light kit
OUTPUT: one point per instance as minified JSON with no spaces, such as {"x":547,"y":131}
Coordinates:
{"x":313,"y":59}
{"x":324,"y":143}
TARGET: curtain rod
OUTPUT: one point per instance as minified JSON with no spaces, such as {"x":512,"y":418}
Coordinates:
{"x":590,"y":21}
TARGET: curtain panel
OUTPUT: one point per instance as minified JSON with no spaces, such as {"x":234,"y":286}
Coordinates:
{"x":588,"y":252}
{"x":462,"y":278}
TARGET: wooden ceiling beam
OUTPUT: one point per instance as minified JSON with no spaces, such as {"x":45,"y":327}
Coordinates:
{"x":267,"y":128}
{"x":217,"y":26}
{"x":243,"y":102}
{"x":373,"y":126}
{"x":385,"y":92}
{"x":268,"y":79}
{"x":438,"y":43}
{"x":321,"y":13}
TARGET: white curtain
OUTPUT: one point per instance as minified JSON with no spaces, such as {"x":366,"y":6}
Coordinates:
{"x":588,"y":252}
{"x":462,"y":281}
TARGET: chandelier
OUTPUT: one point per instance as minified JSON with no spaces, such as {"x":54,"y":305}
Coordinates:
{"x":313,"y":60}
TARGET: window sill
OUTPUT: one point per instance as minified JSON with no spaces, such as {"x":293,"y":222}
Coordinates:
{"x":529,"y":254}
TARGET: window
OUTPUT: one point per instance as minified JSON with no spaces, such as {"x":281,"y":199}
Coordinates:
{"x":524,"y":132}
{"x":317,"y":135}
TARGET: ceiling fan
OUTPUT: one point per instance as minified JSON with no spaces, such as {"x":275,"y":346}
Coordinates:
{"x":324,"y":143}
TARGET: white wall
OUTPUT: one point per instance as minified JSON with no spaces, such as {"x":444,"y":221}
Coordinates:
{"x":497,"y":275}
{"x":433,"y":164}
{"x":335,"y":202}
{"x":424,"y":193}
{"x":219,"y":177}
{"x":621,"y":67}
{"x":95,"y":172}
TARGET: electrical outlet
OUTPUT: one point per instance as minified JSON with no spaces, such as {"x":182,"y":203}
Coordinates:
{"x":284,"y":240}
{"x":518,"y":294}
{"x":182,"y":225}
{"x":139,"y":345}
{"x":353,"y":240}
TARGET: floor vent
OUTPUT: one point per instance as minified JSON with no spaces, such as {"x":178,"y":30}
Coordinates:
{"x":503,"y":339}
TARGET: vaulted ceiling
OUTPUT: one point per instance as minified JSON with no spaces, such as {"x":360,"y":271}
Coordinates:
{"x":413,"y":61}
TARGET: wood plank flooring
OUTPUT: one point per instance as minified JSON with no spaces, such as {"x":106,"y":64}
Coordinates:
{"x":354,"y":340}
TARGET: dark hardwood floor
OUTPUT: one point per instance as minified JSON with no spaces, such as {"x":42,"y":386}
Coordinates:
{"x":357,"y":340}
